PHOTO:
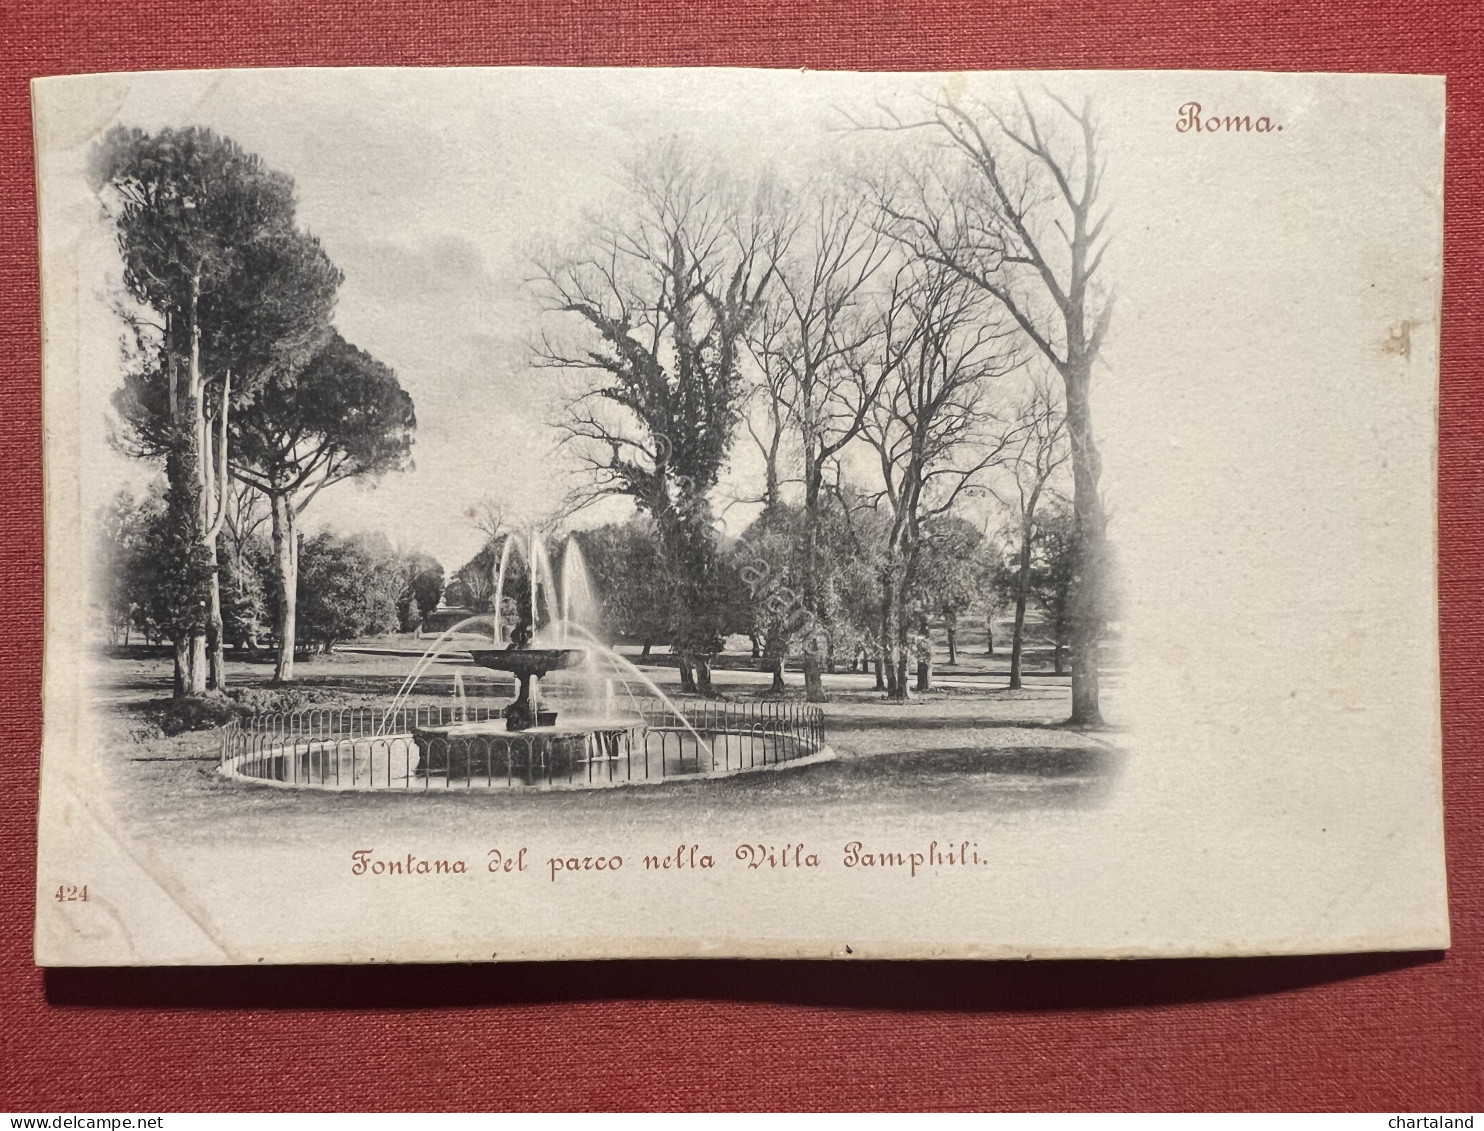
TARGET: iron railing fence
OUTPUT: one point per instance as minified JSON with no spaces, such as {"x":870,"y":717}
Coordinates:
{"x":444,"y":747}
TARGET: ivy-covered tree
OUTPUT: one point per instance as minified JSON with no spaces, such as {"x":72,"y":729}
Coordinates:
{"x":153,"y":571}
{"x":659,"y":303}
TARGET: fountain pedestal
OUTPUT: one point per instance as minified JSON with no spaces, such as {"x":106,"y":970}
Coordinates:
{"x":523,"y":714}
{"x":494,"y":748}
{"x":528,"y":664}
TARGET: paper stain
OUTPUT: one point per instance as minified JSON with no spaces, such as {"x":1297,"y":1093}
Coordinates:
{"x":80,"y":109}
{"x":76,"y":113}
{"x":1399,"y":338}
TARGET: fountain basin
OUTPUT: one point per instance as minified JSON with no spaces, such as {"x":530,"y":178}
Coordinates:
{"x":528,"y":661}
{"x":491,"y":748}
{"x":471,"y":747}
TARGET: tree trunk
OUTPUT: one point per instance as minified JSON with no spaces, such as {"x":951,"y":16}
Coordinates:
{"x":196,"y":667}
{"x":813,"y":675}
{"x":813,"y":679}
{"x":1022,"y":590}
{"x":190,"y":666}
{"x":902,"y":691}
{"x":829,"y":657}
{"x":1086,"y":598}
{"x":951,"y":629}
{"x":757,"y":646}
{"x":897,"y":687}
{"x":216,"y":674}
{"x":1059,"y":647}
{"x":989,"y":633}
{"x":775,"y":665}
{"x":880,"y":665}
{"x":774,"y":654}
{"x":1017,"y":643}
{"x":286,"y":581}
{"x":647,"y":646}
{"x":925,"y":658}
{"x":687,"y":675}
{"x":703,"y":677}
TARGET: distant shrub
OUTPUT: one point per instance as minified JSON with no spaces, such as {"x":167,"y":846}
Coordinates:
{"x":271,"y":700}
{"x":196,"y":714}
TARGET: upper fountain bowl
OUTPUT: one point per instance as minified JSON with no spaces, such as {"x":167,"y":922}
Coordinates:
{"x":528,"y":661}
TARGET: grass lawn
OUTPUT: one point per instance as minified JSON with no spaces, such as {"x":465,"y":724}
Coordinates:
{"x":970,"y":746}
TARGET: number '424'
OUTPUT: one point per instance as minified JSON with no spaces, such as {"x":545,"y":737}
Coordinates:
{"x":72,"y":893}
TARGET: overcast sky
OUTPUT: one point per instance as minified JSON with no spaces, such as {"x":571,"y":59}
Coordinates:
{"x":431,"y":190}
{"x":1254,"y":274}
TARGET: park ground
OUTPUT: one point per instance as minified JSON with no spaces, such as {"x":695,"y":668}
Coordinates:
{"x":970,"y":745}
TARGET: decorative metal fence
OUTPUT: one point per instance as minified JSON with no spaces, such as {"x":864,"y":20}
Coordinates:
{"x":428,"y":748}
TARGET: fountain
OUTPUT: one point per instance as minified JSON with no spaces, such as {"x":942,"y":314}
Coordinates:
{"x":528,"y":665}
{"x":602,"y":737}
{"x":552,"y":747}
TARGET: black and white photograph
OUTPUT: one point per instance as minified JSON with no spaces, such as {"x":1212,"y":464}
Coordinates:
{"x":516,"y":513}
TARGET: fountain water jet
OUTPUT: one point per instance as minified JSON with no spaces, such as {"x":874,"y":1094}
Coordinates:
{"x":527,"y":715}
{"x":500,"y":587}
{"x":423,"y":663}
{"x":579,"y":602}
{"x":625,"y":664}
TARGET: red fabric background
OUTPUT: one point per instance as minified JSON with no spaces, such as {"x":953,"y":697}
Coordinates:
{"x":1379,"y":1032}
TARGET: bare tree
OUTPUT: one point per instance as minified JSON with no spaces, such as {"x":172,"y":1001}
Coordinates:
{"x":489,"y":517}
{"x":933,"y":428}
{"x":244,"y":518}
{"x":822,"y":355}
{"x":1038,"y":453}
{"x":1018,"y":216}
{"x":767,"y":421}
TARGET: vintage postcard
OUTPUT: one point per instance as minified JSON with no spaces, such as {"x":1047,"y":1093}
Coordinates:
{"x":546,"y":514}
